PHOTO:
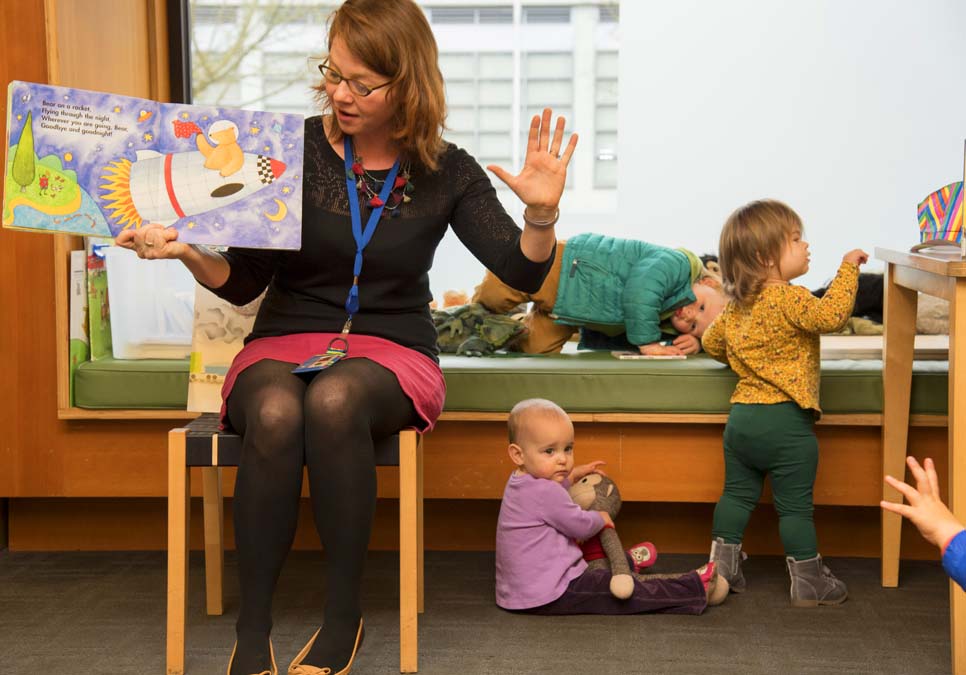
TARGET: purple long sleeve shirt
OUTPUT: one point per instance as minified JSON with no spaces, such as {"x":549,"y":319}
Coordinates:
{"x":536,"y":555}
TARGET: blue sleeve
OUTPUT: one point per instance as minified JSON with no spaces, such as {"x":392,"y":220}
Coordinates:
{"x":954,"y":559}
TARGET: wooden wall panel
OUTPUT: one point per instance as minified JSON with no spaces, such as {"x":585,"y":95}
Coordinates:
{"x":39,"y":455}
{"x":452,"y":525}
{"x":663,"y":462}
{"x":669,"y":463}
{"x":456,"y":522}
{"x":672,"y":462}
{"x":27,"y":326}
{"x":4,"y":506}
{"x":471,"y":458}
{"x":121,"y":63}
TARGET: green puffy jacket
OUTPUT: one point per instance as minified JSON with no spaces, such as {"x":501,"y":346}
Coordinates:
{"x":614,"y":285}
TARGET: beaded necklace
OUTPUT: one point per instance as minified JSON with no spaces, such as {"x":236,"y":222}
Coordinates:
{"x":369,"y":187}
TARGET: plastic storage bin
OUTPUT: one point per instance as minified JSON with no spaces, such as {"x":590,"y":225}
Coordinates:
{"x":152,"y":306}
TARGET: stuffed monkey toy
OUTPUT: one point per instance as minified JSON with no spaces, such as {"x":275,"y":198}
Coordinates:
{"x":596,"y":492}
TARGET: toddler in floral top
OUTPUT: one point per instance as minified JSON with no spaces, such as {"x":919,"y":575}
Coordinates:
{"x":769,"y":335}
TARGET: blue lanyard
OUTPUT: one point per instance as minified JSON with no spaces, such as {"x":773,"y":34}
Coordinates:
{"x":361,"y":236}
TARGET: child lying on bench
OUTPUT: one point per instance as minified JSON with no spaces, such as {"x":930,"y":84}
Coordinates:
{"x":615,"y":286}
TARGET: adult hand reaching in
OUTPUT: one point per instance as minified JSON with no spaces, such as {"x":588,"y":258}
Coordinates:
{"x":925,"y":509}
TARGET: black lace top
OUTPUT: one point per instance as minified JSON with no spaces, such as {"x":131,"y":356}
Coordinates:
{"x":307,"y":288}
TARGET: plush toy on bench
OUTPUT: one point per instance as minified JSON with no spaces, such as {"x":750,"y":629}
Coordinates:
{"x":596,"y":492}
{"x":473,"y":330}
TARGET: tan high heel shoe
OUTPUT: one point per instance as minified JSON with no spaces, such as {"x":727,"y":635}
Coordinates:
{"x":298,"y":668}
{"x":271,"y":651}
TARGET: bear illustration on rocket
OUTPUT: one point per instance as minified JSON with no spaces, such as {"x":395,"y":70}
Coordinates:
{"x":162,"y":188}
{"x":225,"y":156}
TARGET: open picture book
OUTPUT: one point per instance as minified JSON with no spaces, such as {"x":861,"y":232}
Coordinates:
{"x":93,"y":164}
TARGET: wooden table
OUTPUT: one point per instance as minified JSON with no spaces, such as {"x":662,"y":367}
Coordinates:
{"x":941,"y":273}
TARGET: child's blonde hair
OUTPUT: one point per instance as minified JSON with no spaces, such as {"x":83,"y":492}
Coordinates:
{"x":710,"y":270}
{"x":752,"y":240}
{"x":527,"y":407}
{"x":710,"y":275}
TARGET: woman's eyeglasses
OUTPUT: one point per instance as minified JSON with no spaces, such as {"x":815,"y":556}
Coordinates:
{"x":334,"y":77}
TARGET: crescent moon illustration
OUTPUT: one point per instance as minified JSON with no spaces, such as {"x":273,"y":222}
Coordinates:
{"x":281,"y":213}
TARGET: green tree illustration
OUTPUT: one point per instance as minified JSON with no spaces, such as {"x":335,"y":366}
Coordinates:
{"x":24,"y":162}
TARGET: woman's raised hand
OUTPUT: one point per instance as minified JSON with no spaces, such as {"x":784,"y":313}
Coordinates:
{"x":152,"y":242}
{"x":541,"y":181}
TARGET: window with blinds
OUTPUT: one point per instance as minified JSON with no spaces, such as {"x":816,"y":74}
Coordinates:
{"x":502,"y":61}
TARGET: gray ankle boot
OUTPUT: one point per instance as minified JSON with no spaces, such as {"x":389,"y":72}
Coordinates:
{"x":728,"y":559}
{"x":813,"y":583}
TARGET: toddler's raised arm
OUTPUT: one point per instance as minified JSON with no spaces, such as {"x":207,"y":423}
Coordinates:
{"x":830,"y":312}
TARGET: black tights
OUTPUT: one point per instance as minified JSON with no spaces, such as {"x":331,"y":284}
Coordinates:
{"x":328,"y":425}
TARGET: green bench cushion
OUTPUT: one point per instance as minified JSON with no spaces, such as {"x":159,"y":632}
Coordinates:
{"x":585,"y":382}
{"x":597,"y":382}
{"x":145,"y":383}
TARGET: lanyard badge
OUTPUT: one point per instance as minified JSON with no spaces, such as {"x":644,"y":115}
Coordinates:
{"x":339,"y":346}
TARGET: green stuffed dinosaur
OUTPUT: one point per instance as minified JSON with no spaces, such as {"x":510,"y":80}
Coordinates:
{"x":472,"y":330}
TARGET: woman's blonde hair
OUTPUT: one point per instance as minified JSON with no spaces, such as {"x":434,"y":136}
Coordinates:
{"x":752,"y":240}
{"x":393,"y":39}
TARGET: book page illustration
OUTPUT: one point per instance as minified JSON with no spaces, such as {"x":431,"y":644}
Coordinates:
{"x":79,"y":346}
{"x":98,"y":303}
{"x":218,"y":335}
{"x":95,"y":164}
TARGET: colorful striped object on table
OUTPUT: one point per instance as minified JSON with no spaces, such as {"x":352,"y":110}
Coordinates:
{"x":941,"y":215}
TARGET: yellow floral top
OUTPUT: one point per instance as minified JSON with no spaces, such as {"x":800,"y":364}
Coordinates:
{"x":773,"y":344}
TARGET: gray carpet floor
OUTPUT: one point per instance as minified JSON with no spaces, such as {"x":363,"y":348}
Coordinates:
{"x":104,"y":613}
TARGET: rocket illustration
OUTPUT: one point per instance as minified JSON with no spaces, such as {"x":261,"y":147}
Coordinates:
{"x":158,"y":188}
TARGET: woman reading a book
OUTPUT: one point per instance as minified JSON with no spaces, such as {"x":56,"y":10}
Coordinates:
{"x":380,"y":189}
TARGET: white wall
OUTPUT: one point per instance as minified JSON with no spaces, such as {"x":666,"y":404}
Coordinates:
{"x":851,"y":111}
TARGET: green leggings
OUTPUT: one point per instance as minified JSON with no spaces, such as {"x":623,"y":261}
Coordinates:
{"x":777,"y":440}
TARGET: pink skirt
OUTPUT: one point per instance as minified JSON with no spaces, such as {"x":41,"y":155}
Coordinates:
{"x":419,"y":376}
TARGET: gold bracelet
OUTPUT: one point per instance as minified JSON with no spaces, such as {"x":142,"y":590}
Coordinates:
{"x":542,"y":224}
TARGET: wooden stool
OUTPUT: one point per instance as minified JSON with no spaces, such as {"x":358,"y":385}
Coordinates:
{"x":201,"y":444}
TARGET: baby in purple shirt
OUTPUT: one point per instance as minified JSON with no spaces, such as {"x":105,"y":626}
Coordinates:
{"x":539,"y":566}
